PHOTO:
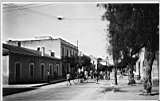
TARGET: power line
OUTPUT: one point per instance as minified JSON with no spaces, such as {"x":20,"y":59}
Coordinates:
{"x":16,"y":8}
{"x":60,"y":17}
{"x":13,"y":6}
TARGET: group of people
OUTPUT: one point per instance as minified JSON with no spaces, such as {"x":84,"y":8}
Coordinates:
{"x":85,"y":75}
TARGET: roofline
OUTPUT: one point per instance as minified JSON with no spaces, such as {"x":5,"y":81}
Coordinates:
{"x":29,"y":50}
{"x":67,"y":42}
{"x":30,"y":40}
{"x":42,"y":40}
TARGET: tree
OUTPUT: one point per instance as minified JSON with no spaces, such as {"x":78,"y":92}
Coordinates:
{"x":85,"y":61}
{"x":133,"y":26}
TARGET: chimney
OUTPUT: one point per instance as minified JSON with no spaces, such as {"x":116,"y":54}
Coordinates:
{"x":19,"y":43}
{"x":42,"y":51}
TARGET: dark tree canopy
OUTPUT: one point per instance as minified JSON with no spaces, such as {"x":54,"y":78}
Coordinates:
{"x":85,"y":60}
{"x":132,"y":26}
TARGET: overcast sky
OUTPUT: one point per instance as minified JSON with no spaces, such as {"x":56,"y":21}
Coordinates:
{"x":81,"y":22}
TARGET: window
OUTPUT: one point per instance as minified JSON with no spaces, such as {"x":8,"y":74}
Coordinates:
{"x":52,"y":54}
{"x":51,"y":69}
{"x":38,"y":48}
{"x":70,"y":52}
{"x":73,"y":53}
{"x":31,"y":70}
{"x":67,"y":52}
{"x":63,"y":51}
{"x":57,"y":66}
{"x":42,"y":70}
{"x":17,"y":71}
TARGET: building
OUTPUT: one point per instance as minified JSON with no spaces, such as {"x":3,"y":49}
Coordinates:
{"x":56,"y":47}
{"x":22,"y":65}
{"x":94,"y":61}
{"x":140,"y":65}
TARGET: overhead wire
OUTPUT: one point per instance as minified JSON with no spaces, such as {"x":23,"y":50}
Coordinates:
{"x":16,"y":7}
{"x":28,"y":7}
{"x":13,"y":6}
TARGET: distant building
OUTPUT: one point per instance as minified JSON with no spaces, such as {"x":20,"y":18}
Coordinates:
{"x":140,"y":65}
{"x":53,"y":47}
{"x":93,"y":60}
{"x":22,"y":65}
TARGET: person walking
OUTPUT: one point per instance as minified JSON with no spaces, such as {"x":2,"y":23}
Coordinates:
{"x":86,"y":75}
{"x":96,"y":76}
{"x":68,"y":76}
{"x":91,"y":74}
{"x":81,"y":76}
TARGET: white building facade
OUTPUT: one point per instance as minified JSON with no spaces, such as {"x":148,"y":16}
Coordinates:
{"x":58,"y":48}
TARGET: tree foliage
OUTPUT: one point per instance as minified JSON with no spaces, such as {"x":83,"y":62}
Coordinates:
{"x":132,"y":26}
{"x":85,"y":60}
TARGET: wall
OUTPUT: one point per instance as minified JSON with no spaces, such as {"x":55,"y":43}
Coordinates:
{"x":49,"y":44}
{"x":139,"y":63}
{"x":72,"y":50}
{"x":55,"y":45}
{"x":5,"y":69}
{"x":25,"y":75}
{"x":155,"y":67}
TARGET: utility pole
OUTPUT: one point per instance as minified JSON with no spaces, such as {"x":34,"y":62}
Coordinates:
{"x":77,"y":57}
{"x":77,"y":45}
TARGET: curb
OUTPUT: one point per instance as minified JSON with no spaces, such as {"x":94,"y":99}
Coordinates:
{"x":45,"y":84}
{"x":12,"y":91}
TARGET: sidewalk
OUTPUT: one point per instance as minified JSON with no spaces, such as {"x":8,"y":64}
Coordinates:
{"x":12,"y":89}
{"x":130,"y":92}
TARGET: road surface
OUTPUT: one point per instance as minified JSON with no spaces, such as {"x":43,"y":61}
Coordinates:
{"x":82,"y":91}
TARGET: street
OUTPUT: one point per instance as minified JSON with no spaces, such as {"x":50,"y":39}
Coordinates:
{"x":84,"y":91}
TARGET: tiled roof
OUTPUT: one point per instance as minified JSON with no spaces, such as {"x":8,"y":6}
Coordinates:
{"x":21,"y":50}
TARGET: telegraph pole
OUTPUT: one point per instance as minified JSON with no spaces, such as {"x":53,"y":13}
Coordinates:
{"x":77,"y":57}
{"x":77,"y":45}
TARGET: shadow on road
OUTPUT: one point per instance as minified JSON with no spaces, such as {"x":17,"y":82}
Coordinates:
{"x":107,"y":89}
{"x":152,"y":94}
{"x":9,"y":91}
{"x":155,"y":93}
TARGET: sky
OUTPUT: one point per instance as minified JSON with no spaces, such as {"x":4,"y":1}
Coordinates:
{"x":81,"y":21}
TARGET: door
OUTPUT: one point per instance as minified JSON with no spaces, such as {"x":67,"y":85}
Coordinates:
{"x":42,"y":71}
{"x":31,"y":71}
{"x":17,"y":72}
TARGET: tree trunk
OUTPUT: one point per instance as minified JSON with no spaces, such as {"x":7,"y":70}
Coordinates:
{"x":148,"y":62}
{"x":115,"y":75}
{"x":131,"y":75}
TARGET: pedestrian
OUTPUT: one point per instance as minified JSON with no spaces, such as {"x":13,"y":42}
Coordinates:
{"x":86,"y":75}
{"x":68,"y":76}
{"x":91,"y":74}
{"x":96,"y":76}
{"x":101,"y":75}
{"x":81,"y":76}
